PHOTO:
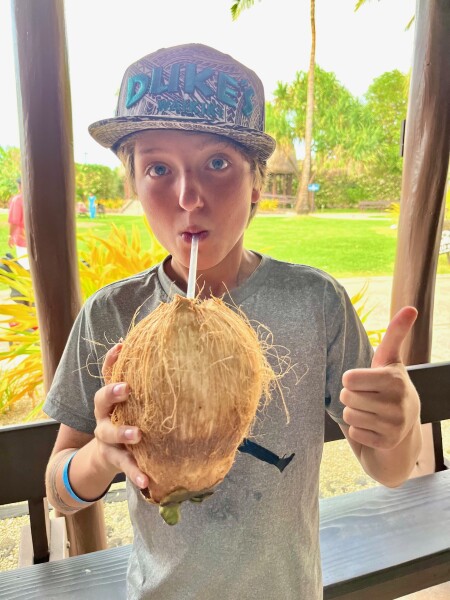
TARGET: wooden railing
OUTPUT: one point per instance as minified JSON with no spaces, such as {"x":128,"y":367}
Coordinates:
{"x":403,"y":543}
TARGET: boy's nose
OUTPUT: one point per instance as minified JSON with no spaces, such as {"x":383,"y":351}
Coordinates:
{"x":189,"y":195}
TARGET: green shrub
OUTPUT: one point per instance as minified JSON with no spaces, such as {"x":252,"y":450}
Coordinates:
{"x":341,"y":190}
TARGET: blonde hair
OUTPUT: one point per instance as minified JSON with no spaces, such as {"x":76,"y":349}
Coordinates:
{"x":125,"y":152}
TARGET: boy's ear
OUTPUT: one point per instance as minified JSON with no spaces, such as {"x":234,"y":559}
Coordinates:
{"x":256,"y":195}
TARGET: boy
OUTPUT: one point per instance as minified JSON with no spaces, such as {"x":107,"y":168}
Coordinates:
{"x":189,"y":128}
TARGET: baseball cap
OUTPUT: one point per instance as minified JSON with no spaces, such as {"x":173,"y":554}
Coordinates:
{"x":190,"y":87}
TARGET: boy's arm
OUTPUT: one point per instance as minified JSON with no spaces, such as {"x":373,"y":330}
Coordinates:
{"x":95,"y":458}
{"x":389,"y":467}
{"x":382,"y":409}
{"x":94,"y":480}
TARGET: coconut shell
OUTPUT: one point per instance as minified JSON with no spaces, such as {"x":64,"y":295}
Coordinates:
{"x":197,"y":373}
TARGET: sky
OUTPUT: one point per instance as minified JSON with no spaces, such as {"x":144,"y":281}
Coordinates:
{"x":273,"y":38}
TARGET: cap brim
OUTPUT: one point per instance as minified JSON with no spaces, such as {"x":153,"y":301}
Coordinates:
{"x":110,"y":132}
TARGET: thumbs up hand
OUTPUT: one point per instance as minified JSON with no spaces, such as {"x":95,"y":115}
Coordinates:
{"x":382,"y":406}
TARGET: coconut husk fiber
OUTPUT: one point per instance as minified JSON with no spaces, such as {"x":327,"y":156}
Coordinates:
{"x":197,"y":373}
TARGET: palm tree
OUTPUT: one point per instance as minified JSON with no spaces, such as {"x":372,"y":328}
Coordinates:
{"x":302,"y":205}
{"x":239,"y":6}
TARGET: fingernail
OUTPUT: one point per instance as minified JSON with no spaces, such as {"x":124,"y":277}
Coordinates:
{"x":140,"y":481}
{"x":130,"y":434}
{"x":120,"y":389}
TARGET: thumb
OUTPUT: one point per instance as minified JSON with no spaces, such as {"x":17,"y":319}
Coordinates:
{"x":388,"y":352}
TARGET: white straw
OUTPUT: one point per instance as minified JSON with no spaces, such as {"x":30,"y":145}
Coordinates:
{"x":192,"y":268}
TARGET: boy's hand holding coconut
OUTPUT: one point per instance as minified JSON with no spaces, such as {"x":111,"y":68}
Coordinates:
{"x":111,"y":439}
{"x":181,"y":392}
{"x":83,"y":465}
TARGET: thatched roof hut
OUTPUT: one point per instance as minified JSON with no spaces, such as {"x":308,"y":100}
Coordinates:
{"x":283,"y":161}
{"x":282,"y":167}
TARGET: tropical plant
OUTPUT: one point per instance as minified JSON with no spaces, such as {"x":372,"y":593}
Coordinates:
{"x":386,"y":103}
{"x":9,"y":172}
{"x":239,"y":6}
{"x":268,"y":205}
{"x":302,"y":205}
{"x":21,"y":362}
{"x":277,"y":123}
{"x":102,"y":262}
{"x":359,"y":301}
{"x":344,"y":132}
{"x":99,"y":180}
{"x":355,"y":145}
{"x":116,"y":257}
{"x":394,"y":209}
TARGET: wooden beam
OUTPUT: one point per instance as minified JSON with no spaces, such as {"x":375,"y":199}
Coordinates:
{"x":48,"y":180}
{"x":426,"y":155}
{"x":427,"y":147}
{"x":47,"y":170}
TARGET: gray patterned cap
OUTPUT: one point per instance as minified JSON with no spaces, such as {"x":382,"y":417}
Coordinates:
{"x":192,"y":88}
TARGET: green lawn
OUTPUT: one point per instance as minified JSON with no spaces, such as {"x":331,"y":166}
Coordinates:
{"x":342,"y":247}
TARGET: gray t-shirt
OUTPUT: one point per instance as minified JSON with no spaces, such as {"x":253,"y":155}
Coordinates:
{"x":256,"y":537}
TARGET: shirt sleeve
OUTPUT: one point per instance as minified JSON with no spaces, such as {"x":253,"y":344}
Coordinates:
{"x":348,"y":346}
{"x":78,"y":377}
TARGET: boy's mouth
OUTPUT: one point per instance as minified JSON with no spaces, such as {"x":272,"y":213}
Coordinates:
{"x":186,"y":236}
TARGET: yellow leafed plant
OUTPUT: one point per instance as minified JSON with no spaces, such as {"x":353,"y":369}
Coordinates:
{"x":359,"y":301}
{"x":102,"y":262}
{"x":21,"y":370}
{"x":114,"y":258}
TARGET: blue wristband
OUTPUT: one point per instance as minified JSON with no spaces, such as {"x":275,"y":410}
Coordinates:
{"x":66,"y":482}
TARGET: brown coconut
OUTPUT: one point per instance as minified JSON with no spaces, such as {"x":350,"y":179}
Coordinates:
{"x":197,"y":373}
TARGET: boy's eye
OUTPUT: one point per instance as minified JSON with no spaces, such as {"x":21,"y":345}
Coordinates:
{"x":158,"y":170}
{"x":218,"y":164}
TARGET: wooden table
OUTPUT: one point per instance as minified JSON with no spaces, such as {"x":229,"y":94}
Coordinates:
{"x":363,"y":535}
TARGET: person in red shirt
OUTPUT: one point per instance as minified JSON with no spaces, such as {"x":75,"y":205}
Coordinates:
{"x":17,"y":227}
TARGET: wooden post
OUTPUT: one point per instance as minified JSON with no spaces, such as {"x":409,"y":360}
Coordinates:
{"x":427,"y":146}
{"x":48,"y":180}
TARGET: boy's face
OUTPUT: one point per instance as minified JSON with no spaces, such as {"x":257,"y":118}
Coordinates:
{"x":194,"y":183}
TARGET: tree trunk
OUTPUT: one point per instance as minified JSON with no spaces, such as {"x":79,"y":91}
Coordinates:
{"x":49,"y":189}
{"x":427,"y":146}
{"x":303,"y":205}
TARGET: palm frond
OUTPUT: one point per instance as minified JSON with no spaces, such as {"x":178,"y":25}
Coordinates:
{"x":359,"y":4}
{"x":239,"y":6}
{"x":409,"y":25}
{"x":359,"y":301}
